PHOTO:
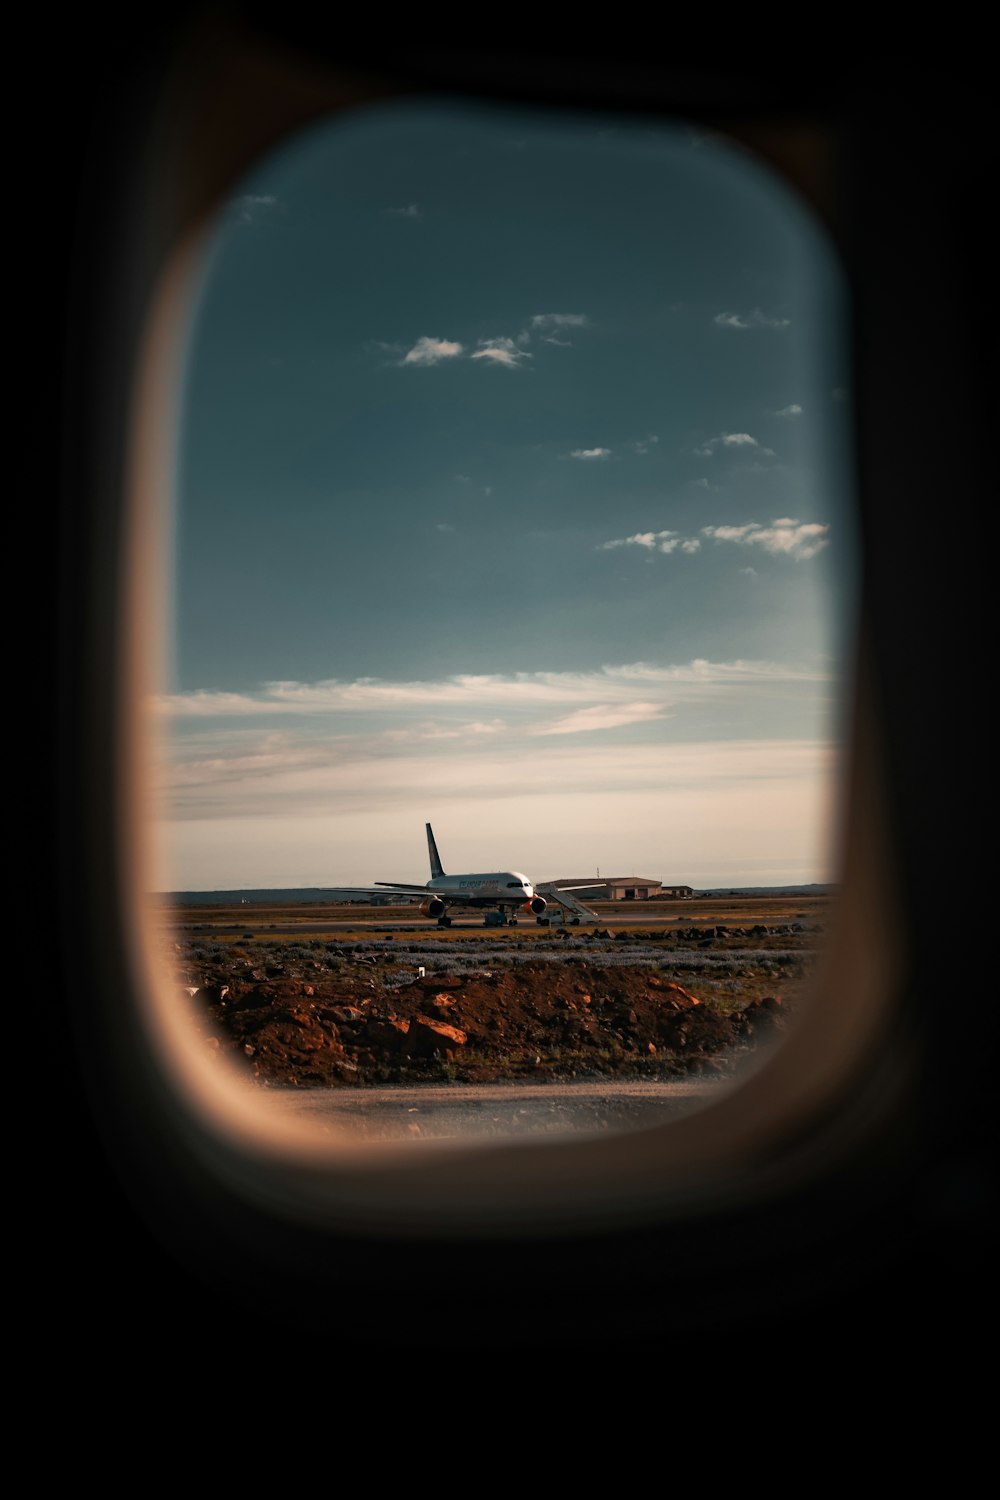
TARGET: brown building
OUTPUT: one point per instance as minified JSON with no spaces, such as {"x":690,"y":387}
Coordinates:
{"x":623,"y":888}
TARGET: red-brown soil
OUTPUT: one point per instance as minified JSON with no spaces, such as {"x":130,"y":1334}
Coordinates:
{"x":325,"y":1014}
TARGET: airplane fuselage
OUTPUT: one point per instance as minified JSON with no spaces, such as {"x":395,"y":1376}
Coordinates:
{"x":499,"y":889}
{"x":491,"y":888}
{"x":496,"y":888}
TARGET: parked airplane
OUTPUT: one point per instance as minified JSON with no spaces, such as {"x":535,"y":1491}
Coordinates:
{"x":505,"y":890}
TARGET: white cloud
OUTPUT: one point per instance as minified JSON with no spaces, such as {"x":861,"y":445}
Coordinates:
{"x":790,"y":411}
{"x":498,"y":350}
{"x":428,"y":351}
{"x":501,"y":351}
{"x":411,"y":211}
{"x":355,"y":768}
{"x":638,"y":539}
{"x":727,"y":440}
{"x":754,"y":319}
{"x":527,"y":690}
{"x":784,"y":537}
{"x":739,"y":441}
{"x":591,"y":453}
{"x":549,"y":326}
{"x":587,"y":720}
{"x":432,"y":730}
{"x":744,"y":805}
{"x":787,"y":537}
{"x":204,"y":704}
{"x":546,"y":322}
{"x":658,"y":541}
{"x":644,"y":445}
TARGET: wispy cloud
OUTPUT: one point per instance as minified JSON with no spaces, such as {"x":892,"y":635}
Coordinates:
{"x":591,"y":453}
{"x":410,"y":211}
{"x":654,"y":541}
{"x":502,"y":351}
{"x":741,"y":811}
{"x":776,"y":778}
{"x":431,"y":730}
{"x":754,"y":319}
{"x":645,"y":444}
{"x":319,"y":776}
{"x":587,"y":720}
{"x":427,"y":351}
{"x":785,"y":537}
{"x":522,"y":690}
{"x":543,"y":323}
{"x":790,"y":411}
{"x":732,"y":442}
{"x":499,"y":349}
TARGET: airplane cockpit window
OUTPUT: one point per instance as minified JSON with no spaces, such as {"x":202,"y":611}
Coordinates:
{"x":512,"y":518}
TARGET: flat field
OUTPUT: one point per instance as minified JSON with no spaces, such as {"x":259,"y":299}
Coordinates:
{"x":306,"y":920}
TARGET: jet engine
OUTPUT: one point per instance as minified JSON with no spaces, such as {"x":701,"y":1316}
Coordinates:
{"x":536,"y":905}
{"x":432,"y":907}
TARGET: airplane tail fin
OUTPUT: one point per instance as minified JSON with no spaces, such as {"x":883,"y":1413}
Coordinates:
{"x":432,"y":850}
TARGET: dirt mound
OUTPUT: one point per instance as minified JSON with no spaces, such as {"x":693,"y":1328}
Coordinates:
{"x":569,"y":1019}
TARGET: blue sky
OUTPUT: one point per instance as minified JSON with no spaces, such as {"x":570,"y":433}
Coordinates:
{"x":513,"y":492}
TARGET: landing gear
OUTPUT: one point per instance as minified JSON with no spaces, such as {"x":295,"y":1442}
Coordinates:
{"x":444,"y":921}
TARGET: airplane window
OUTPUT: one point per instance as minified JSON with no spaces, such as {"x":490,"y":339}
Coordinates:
{"x":512,"y":519}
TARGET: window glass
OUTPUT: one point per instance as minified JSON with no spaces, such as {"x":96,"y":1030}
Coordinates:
{"x":513,"y":494}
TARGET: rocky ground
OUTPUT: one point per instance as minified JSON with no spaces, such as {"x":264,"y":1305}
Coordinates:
{"x":326,"y":1013}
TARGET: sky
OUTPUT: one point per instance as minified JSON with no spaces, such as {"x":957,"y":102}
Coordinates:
{"x":513,"y":493}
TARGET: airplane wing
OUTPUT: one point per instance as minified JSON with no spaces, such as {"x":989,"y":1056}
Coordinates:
{"x":383,"y":888}
{"x":388,"y":888}
{"x":453,"y":898}
{"x":368,"y":892}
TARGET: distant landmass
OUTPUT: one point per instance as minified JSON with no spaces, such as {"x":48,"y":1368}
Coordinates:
{"x":295,"y":895}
